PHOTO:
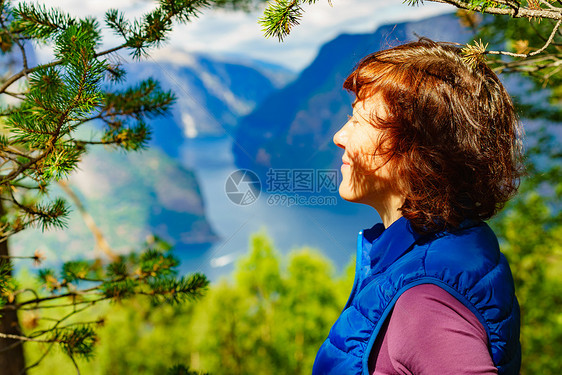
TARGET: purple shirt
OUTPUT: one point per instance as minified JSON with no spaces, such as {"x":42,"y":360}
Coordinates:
{"x":430,"y":332}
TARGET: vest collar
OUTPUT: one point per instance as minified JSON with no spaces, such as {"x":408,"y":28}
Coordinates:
{"x":381,"y":247}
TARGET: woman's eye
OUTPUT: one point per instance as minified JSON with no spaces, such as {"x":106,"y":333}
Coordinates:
{"x":352,"y":119}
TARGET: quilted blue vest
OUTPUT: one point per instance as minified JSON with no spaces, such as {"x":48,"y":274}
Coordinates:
{"x":466,"y":263}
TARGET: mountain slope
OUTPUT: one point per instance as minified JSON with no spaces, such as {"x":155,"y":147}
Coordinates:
{"x":130,"y":196}
{"x":212,"y":95}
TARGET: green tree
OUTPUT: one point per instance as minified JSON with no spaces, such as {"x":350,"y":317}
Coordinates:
{"x":273,"y":318}
{"x":530,"y":231}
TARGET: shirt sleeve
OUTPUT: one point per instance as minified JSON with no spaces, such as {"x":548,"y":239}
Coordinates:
{"x":430,"y":332}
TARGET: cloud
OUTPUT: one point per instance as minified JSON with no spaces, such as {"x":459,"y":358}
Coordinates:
{"x":237,"y":33}
{"x":97,"y":8}
{"x":221,"y":32}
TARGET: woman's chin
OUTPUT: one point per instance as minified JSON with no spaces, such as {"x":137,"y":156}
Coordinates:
{"x":348,"y":194}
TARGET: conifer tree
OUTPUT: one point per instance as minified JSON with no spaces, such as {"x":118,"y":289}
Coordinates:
{"x":39,"y":146}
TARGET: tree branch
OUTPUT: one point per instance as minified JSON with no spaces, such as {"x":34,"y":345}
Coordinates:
{"x":525,"y":55}
{"x":24,"y":72}
{"x":21,"y":338}
{"x":84,"y":292}
{"x":521,"y":12}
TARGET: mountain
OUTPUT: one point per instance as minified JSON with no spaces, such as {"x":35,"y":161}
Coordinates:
{"x":129,"y":196}
{"x":293,"y":127}
{"x":212,"y":94}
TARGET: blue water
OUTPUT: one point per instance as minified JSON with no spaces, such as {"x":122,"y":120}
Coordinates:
{"x":332,"y":229}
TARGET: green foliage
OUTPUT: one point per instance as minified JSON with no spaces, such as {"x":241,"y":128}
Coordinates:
{"x":530,"y":231}
{"x":150,"y":31}
{"x":40,"y":144}
{"x":523,"y":36}
{"x":531,"y":226}
{"x":49,"y":215}
{"x":270,"y":318}
{"x":84,"y":284}
{"x":125,"y":112}
{"x":173,"y":291}
{"x":8,"y":285}
{"x":77,"y":341}
{"x":280,"y":16}
{"x":75,"y":270}
{"x":182,"y":370}
{"x":273,"y":319}
{"x":39,"y":22}
{"x":482,"y":5}
{"x":531,"y":234}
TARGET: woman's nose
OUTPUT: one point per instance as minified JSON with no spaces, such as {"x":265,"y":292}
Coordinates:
{"x":340,"y":138}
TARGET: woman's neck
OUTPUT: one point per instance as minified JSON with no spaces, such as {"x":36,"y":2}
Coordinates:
{"x":389,"y":209}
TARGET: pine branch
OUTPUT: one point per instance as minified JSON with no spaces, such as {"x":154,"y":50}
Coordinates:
{"x":50,"y":215}
{"x":24,"y":72}
{"x":74,"y":303}
{"x":37,"y":258}
{"x":151,"y":30}
{"x":148,"y":32}
{"x":38,"y":22}
{"x":76,"y":341}
{"x":153,"y":270}
{"x":116,"y":20}
{"x":174,"y":291}
{"x":37,"y":301}
{"x":280,"y":17}
{"x":518,"y":12}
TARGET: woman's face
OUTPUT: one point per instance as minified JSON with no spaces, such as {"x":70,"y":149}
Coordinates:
{"x":367,"y":176}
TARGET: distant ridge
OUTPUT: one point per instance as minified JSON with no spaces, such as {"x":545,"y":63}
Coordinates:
{"x":212,"y":94}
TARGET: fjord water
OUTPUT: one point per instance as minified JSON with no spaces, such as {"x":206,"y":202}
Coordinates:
{"x":331,"y":229}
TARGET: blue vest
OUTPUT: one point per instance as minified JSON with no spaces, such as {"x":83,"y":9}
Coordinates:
{"x":466,"y":263}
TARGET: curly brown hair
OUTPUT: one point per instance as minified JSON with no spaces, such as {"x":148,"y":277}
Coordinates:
{"x":450,"y":129}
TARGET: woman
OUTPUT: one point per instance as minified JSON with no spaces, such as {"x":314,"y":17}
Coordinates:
{"x":433,"y":146}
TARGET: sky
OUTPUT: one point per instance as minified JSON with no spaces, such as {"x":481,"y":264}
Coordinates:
{"x":226,"y":33}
